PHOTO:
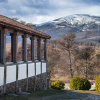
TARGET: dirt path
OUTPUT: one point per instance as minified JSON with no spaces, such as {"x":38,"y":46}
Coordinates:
{"x":71,"y":96}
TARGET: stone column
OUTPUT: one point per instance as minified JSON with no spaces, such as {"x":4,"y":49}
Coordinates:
{"x":46,"y":76}
{"x":3,"y":55}
{"x":35,"y":76}
{"x":15,"y":46}
{"x":33,"y":48}
{"x":45,"y":49}
{"x":24,"y":47}
{"x":27,"y":77}
{"x":12,"y":48}
{"x":45,"y":58}
{"x":41,"y":77}
{"x":39,"y":49}
{"x":15,"y":51}
{"x":3,"y":45}
{"x":0,"y":46}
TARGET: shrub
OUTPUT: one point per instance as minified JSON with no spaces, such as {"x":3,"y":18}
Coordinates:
{"x":79,"y":83}
{"x":97,"y":83}
{"x":57,"y":85}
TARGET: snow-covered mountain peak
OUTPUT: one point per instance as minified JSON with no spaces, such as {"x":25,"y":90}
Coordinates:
{"x":78,"y":19}
{"x":78,"y":23}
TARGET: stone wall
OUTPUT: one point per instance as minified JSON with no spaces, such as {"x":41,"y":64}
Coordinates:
{"x":48,"y":84}
{"x":31,"y":83}
{"x":44,"y":81}
{"x":10,"y":88}
{"x":34,"y":83}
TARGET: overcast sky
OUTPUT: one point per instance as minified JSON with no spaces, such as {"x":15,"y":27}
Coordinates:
{"x":40,"y":11}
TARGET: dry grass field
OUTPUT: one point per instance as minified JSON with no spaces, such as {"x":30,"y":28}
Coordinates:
{"x":64,"y":79}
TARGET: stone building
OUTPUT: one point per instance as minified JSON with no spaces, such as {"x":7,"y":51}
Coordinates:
{"x":17,"y":76}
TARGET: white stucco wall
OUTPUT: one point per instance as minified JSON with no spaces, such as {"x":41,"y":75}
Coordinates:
{"x":21,"y":71}
{"x":11,"y":71}
{"x":38,"y":68}
{"x":31,"y":70}
{"x":43,"y":67}
{"x":1,"y":75}
{"x":11,"y":74}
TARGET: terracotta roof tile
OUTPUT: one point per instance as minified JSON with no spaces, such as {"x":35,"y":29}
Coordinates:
{"x":9,"y":21}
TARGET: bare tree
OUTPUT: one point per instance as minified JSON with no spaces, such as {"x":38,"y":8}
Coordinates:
{"x":23,"y":22}
{"x":66,"y":43}
{"x":53,"y":57}
{"x":15,"y":19}
{"x":30,"y":25}
{"x":86,"y":55}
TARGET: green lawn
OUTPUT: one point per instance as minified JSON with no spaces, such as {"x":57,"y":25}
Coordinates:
{"x":32,"y":95}
{"x":54,"y":95}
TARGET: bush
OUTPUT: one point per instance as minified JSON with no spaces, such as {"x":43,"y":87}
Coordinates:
{"x":79,"y":83}
{"x":97,"y":83}
{"x":57,"y":85}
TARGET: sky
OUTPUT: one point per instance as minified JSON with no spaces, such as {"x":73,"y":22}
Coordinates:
{"x":41,"y":11}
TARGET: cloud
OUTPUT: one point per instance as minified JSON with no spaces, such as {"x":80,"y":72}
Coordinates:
{"x":39,"y":11}
{"x":91,"y":1}
{"x":3,"y":1}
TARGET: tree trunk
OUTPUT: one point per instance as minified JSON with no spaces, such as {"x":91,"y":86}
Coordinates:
{"x":70,"y":64}
{"x":86,"y":69}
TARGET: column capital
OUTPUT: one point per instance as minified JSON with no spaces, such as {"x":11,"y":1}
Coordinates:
{"x":25,"y":36}
{"x":4,"y":30}
{"x":32,"y":38}
{"x":15,"y":33}
{"x":38,"y":39}
{"x":45,"y":40}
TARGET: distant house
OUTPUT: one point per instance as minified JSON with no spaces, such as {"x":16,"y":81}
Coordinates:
{"x":17,"y":76}
{"x":92,"y":84}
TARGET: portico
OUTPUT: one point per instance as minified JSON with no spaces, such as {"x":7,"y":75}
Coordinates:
{"x":15,"y":28}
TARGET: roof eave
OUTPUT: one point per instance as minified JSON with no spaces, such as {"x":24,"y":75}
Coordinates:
{"x":25,"y":30}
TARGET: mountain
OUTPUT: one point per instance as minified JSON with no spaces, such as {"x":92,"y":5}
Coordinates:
{"x":86,"y":27}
